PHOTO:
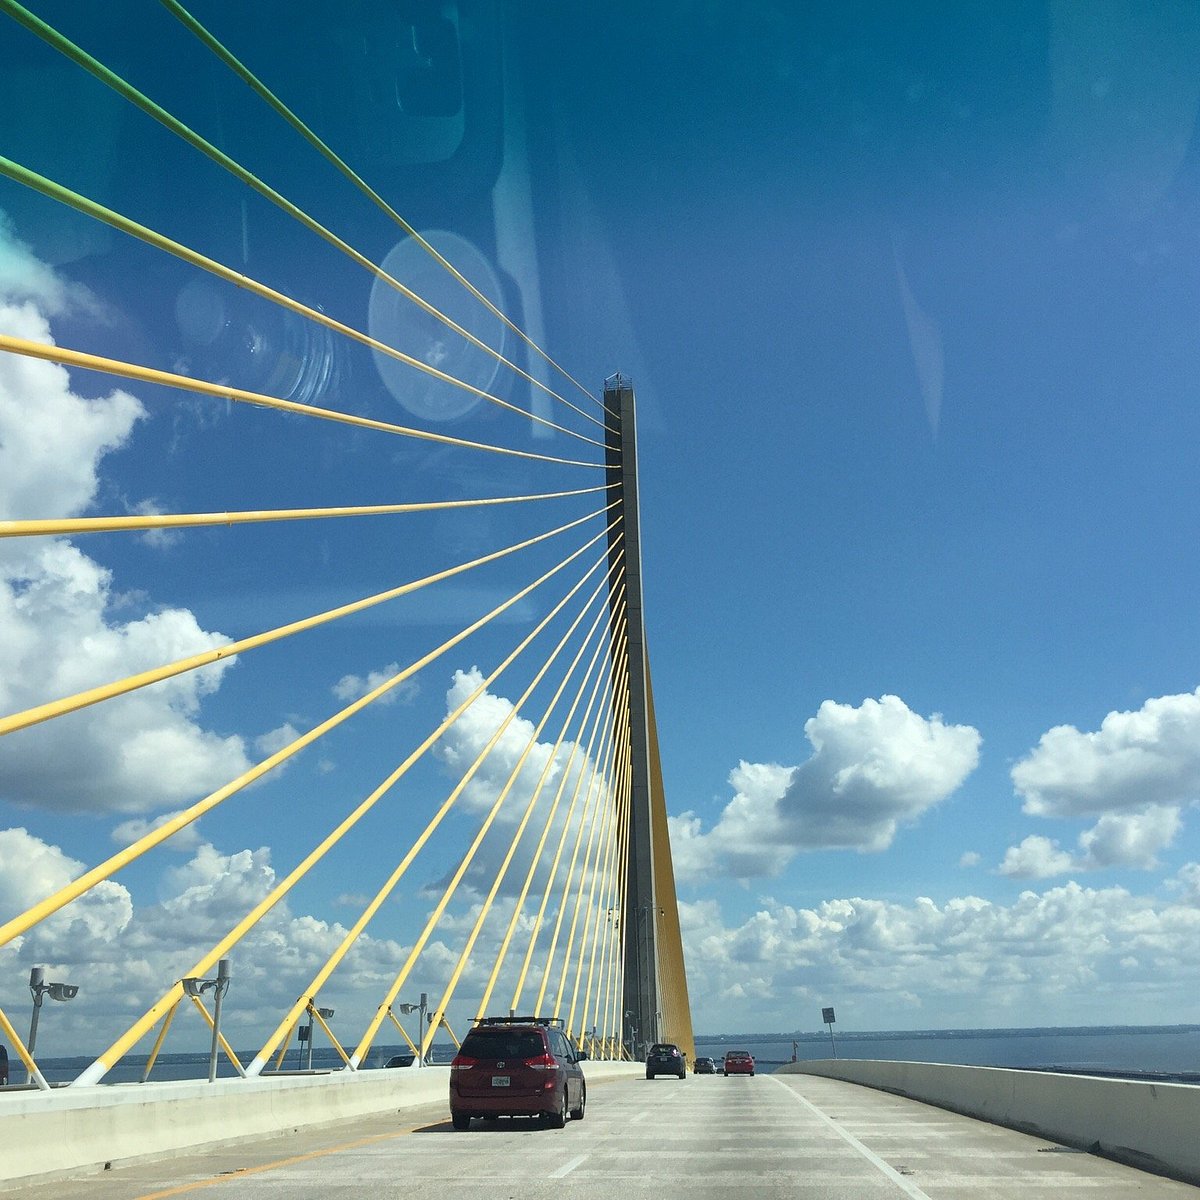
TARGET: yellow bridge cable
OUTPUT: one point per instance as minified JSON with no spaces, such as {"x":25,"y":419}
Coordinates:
{"x":402,"y":976}
{"x":6,"y":1027}
{"x":587,"y":941}
{"x":320,"y":146}
{"x":587,"y":867}
{"x":613,"y":1010}
{"x":590,"y":793}
{"x":221,"y":391}
{"x":72,"y":526}
{"x":136,"y":1031}
{"x":122,"y":87}
{"x":606,"y":711}
{"x":535,"y":796}
{"x":612,"y":993}
{"x":386,"y":890}
{"x":574,"y":950}
{"x":107,"y":216}
{"x":604,"y":916}
{"x":596,"y":1001}
{"x":24,"y":922}
{"x":120,"y":687}
{"x":535,"y":860}
{"x":599,"y":788}
{"x":590,"y":808}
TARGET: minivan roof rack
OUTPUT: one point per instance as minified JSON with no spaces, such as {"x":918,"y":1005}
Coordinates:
{"x":557,"y":1022}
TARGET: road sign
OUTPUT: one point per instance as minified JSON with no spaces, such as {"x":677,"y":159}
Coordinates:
{"x":827,"y":1016}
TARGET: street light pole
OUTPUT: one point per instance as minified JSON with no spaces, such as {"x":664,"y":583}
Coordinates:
{"x":38,"y":988}
{"x":220,"y":988}
{"x":421,"y":1039}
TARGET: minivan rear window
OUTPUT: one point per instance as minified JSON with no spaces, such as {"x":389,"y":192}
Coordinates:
{"x":503,"y":1044}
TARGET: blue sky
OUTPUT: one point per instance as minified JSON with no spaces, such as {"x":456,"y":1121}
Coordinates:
{"x":910,"y":305}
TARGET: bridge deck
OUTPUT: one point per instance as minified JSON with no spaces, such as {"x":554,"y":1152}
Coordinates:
{"x":703,"y":1137}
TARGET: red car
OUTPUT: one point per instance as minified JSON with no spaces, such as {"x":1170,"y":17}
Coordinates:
{"x":738,"y":1062}
{"x":517,"y":1067}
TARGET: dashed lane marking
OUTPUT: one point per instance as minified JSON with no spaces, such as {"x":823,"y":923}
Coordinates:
{"x":568,"y":1167}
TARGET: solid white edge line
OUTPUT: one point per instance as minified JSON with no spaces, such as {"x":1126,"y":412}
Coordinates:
{"x":905,"y":1185}
{"x":567,"y":1168}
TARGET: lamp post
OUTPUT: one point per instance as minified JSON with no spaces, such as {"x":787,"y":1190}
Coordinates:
{"x":39,"y":989}
{"x":196,"y":988}
{"x":324,"y":1014}
{"x":408,"y":1010}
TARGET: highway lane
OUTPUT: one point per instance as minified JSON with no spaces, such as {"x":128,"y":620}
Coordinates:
{"x":706,"y":1136}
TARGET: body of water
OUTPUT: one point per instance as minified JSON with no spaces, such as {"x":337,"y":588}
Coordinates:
{"x":1133,"y":1050}
{"x":1149,"y":1050}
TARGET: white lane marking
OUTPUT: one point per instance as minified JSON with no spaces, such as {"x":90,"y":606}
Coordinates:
{"x":640,"y":1117}
{"x":567,"y":1168}
{"x":910,"y":1188}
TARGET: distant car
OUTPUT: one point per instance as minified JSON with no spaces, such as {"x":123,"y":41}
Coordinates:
{"x":401,"y":1060}
{"x":665,"y":1059}
{"x":705,"y":1066}
{"x":738,"y":1062}
{"x":517,"y":1067}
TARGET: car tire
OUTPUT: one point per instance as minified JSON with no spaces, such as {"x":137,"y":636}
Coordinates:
{"x":682,"y":1074}
{"x":649,"y":1074}
{"x":460,"y":1121}
{"x":751,"y":1074}
{"x":577,"y":1113}
{"x":556,"y":1120}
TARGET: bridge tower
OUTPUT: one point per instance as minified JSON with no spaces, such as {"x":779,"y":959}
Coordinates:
{"x":655,"y":1000}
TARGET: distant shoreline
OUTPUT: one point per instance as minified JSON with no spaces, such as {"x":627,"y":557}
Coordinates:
{"x":872,"y":1035}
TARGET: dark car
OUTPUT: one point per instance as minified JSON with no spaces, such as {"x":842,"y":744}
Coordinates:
{"x":401,"y":1060}
{"x":738,"y":1062}
{"x":517,"y":1067}
{"x":705,"y":1066}
{"x":665,"y":1059}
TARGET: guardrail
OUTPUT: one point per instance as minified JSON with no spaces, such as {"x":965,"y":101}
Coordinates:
{"x":49,"y":1134}
{"x":1149,"y":1125}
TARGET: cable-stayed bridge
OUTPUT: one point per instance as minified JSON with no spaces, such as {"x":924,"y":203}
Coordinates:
{"x":536,"y":843}
{"x":324,"y":573}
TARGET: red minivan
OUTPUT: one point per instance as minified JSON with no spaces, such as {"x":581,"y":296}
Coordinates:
{"x":517,"y":1067}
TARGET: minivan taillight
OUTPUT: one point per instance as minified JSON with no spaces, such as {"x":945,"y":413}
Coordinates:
{"x":462,"y":1063}
{"x":543,"y":1062}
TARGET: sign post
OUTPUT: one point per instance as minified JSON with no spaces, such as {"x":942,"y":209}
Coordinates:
{"x":828,"y":1017}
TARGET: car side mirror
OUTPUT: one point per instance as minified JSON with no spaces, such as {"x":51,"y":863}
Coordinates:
{"x":580,"y":1055}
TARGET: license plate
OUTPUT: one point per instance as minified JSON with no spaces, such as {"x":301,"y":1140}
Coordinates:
{"x":499,"y":1081}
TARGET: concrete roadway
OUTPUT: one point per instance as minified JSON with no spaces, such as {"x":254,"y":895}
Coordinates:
{"x":706,"y":1136}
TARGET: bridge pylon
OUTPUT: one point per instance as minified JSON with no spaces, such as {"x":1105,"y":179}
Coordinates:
{"x":655,"y":998}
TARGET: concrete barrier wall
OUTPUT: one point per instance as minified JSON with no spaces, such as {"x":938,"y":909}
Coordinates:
{"x":1148,"y":1125}
{"x":48,"y":1134}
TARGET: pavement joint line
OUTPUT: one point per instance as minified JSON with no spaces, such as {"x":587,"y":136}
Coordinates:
{"x":568,"y":1167}
{"x":242,"y":1172}
{"x":905,"y":1185}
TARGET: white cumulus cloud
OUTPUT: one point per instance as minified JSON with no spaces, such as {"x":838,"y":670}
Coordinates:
{"x":873,"y":768}
{"x":59,"y":627}
{"x":351,"y":687}
{"x":1136,"y":774}
{"x":1151,"y":756}
{"x":1125,"y":839}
